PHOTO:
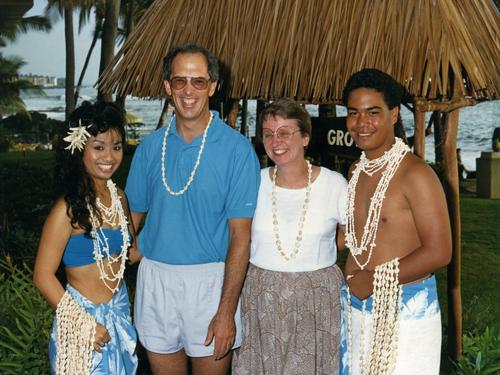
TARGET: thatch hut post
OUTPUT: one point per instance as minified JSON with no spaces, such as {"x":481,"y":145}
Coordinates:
{"x":233,"y":113}
{"x":419,"y":137}
{"x":454,"y":268}
{"x":244,"y":116}
{"x":451,"y":187}
{"x":327,"y":110}
{"x":261,"y":104}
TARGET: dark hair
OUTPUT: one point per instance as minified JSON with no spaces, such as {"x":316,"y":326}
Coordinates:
{"x":78,"y":186}
{"x":289,"y":109}
{"x":375,"y":79}
{"x":392,"y":92}
{"x":212,"y":62}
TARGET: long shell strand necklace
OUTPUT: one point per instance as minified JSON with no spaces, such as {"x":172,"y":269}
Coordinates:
{"x":385,"y":317}
{"x":101,"y":245}
{"x":391,"y":159}
{"x":274,"y":197}
{"x":196,"y":164}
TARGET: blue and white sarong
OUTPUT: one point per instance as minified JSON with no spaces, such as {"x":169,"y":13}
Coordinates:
{"x":118,"y":355}
{"x":419,"y":344}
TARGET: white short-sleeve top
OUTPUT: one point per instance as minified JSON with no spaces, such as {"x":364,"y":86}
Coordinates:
{"x":318,"y":248}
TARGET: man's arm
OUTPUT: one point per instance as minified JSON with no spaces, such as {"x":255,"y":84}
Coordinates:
{"x":427,"y":202}
{"x":222,"y":328}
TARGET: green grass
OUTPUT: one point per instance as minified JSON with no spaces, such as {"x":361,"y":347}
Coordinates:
{"x":480,"y":265}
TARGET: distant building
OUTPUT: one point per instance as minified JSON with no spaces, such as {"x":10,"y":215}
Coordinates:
{"x":44,"y":81}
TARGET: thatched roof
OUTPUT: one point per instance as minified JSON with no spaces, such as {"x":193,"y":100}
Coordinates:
{"x":439,"y":49}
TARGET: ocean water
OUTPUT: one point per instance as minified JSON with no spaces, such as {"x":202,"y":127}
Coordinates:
{"x":476,"y":124}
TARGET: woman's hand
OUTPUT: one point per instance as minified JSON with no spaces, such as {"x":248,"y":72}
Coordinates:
{"x":134,"y":255}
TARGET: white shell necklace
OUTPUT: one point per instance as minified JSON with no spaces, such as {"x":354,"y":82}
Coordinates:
{"x":391,"y":159}
{"x":109,"y":215}
{"x":196,"y":164}
{"x":298,"y":239}
{"x":101,"y":245}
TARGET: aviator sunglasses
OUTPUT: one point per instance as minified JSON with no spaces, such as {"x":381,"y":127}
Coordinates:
{"x":199,"y":83}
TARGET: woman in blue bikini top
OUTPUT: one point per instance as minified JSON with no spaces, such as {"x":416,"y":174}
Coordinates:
{"x":90,"y":231}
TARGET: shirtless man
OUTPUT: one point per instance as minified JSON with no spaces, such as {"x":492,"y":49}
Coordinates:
{"x":397,"y":231}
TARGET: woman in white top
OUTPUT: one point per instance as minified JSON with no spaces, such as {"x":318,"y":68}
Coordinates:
{"x":291,"y":297}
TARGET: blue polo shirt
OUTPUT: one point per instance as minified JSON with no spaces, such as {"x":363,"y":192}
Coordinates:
{"x":192,"y":228}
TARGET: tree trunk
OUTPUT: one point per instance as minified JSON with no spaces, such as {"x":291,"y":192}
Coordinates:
{"x":109,"y":31}
{"x":70,"y":60}
{"x":87,"y":58}
{"x":164,"y":114}
{"x":129,"y":27}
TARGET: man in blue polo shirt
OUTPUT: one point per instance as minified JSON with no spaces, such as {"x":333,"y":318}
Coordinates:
{"x":197,"y":181}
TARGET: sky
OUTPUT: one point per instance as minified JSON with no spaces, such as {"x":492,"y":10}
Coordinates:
{"x":44,"y":53}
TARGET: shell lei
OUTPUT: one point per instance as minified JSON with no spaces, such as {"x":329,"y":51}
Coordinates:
{"x":387,"y":297}
{"x":298,"y":239}
{"x":391,"y":159}
{"x":100,"y":241}
{"x":196,"y":164}
{"x":75,"y":336}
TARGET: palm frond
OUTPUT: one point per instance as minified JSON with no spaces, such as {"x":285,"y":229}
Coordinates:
{"x":34,"y":23}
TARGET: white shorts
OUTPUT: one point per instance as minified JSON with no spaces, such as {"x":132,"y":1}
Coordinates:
{"x":174,"y":305}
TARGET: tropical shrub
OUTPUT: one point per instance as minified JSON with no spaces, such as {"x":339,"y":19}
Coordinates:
{"x":481,"y":354}
{"x":25,"y":324}
{"x":26,"y":196}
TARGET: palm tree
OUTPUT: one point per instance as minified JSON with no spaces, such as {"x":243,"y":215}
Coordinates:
{"x":109,"y":32}
{"x":10,"y":84}
{"x":107,"y":13}
{"x":9,"y":31}
{"x":131,"y":12}
{"x":84,"y":17}
{"x":66,"y":9}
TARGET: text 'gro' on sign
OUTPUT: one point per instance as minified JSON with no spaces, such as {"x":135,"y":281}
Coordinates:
{"x":330,"y":137}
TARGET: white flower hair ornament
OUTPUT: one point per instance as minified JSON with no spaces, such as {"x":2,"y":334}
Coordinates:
{"x":77,"y":137}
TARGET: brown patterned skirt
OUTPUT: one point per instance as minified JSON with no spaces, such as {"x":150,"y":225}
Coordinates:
{"x":291,"y":323}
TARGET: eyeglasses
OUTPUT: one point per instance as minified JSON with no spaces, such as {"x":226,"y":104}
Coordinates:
{"x":283,"y":134}
{"x":199,"y":83}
